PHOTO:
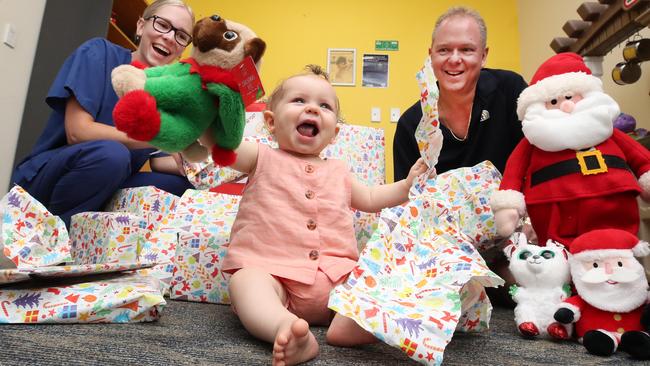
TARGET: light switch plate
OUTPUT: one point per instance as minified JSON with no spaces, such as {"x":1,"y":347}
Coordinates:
{"x":375,"y":114}
{"x":394,"y":114}
{"x":9,"y":35}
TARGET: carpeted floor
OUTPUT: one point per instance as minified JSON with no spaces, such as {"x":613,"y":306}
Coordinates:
{"x":206,"y":334}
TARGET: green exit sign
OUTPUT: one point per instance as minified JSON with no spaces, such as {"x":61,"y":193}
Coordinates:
{"x":386,"y":45}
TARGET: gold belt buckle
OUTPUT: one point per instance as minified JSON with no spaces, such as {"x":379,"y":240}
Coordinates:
{"x":582,"y":155}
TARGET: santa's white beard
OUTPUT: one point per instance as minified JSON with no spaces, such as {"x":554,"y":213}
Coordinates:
{"x":590,"y":123}
{"x":619,"y":297}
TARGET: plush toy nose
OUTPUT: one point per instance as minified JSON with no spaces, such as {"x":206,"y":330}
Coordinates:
{"x":567,"y":106}
{"x":608,"y":268}
{"x":216,"y":18}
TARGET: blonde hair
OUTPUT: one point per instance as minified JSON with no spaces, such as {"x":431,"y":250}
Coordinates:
{"x":310,"y":70}
{"x":461,"y":11}
{"x":151,"y":10}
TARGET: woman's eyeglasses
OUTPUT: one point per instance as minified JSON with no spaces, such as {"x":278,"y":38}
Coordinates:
{"x":162,"y":25}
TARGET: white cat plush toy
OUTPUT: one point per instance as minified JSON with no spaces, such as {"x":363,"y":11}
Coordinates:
{"x":542,"y":277}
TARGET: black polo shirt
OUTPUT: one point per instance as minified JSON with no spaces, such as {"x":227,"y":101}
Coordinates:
{"x":492,"y":139}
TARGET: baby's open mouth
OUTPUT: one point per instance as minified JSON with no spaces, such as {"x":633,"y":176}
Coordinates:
{"x":307,"y":129}
{"x":161,"y":50}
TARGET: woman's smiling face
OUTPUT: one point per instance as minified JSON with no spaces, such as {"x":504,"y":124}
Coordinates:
{"x":157,"y":48}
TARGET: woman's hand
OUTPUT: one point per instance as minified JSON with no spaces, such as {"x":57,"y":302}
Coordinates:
{"x":172,"y":164}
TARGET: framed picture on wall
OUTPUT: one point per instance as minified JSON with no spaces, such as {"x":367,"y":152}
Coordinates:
{"x":375,"y":71}
{"x":341,"y":65}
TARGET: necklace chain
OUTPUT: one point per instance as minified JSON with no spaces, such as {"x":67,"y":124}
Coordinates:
{"x":442,"y":121}
{"x":456,"y":137}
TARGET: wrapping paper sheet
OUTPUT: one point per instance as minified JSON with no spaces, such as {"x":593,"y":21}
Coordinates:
{"x":73,"y":270}
{"x":420,"y":276}
{"x":203,"y":221}
{"x":116,"y":299}
{"x":30,"y":235}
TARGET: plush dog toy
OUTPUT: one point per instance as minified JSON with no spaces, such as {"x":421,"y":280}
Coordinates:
{"x":611,"y":308}
{"x":171,"y":106}
{"x":572,"y":172}
{"x":542,"y":277}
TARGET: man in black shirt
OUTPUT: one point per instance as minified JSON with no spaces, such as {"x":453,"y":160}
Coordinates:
{"x":477,"y":111}
{"x":477,"y":107}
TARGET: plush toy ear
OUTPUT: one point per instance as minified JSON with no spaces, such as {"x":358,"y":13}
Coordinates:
{"x":255,"y":48}
{"x":521,"y":238}
{"x":509,"y":249}
{"x":553,"y":243}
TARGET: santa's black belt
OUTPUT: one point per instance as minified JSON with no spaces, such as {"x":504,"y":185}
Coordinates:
{"x":586,"y":163}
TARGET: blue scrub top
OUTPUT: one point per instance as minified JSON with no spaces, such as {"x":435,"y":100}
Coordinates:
{"x":86,"y":74}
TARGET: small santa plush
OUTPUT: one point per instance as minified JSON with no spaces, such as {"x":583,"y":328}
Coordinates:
{"x":572,"y":172}
{"x":610,"y":310}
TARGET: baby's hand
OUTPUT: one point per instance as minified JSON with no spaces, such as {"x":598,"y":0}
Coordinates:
{"x":418,"y":168}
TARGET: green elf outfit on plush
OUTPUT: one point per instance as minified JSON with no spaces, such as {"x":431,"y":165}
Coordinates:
{"x":171,"y":106}
{"x":179,"y":102}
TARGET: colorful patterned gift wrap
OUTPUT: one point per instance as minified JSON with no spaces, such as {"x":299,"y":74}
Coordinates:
{"x":155,"y":206}
{"x":73,"y":270}
{"x":149,"y":202}
{"x":362,"y":147}
{"x":420,"y":276}
{"x":203,"y":221}
{"x":30,"y":234}
{"x":107,"y":237}
{"x":117,"y":299}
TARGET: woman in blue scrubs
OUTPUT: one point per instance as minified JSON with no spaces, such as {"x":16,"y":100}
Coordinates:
{"x":81,"y":159}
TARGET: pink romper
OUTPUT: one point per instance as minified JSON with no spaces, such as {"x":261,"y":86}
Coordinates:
{"x":294,"y":220}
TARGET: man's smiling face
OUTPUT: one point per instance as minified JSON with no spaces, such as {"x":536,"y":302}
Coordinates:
{"x":457,"y":54}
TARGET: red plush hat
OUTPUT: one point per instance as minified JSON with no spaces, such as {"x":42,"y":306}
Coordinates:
{"x":607,"y":243}
{"x":561,"y":74}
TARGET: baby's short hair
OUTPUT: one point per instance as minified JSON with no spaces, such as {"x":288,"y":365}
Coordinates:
{"x":310,"y":70}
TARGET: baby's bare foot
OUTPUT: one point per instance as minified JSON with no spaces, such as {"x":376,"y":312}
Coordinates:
{"x":294,"y":344}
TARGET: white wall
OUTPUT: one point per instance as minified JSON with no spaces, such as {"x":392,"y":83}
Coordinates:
{"x":15,"y":70}
{"x":541,"y":21}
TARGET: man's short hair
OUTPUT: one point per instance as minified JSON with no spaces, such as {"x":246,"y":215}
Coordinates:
{"x":461,"y":11}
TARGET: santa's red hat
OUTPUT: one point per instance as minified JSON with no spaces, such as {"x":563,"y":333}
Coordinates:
{"x":559,"y":75}
{"x":608,"y":243}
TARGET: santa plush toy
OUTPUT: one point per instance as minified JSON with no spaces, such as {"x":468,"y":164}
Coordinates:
{"x":572,"y":172}
{"x":611,"y":309}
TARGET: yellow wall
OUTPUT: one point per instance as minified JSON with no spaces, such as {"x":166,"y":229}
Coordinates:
{"x":300,"y":32}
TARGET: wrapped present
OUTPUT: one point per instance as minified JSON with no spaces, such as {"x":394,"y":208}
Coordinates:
{"x":201,"y":224}
{"x":114,"y":299}
{"x":31,"y":236}
{"x":363,"y":149}
{"x":107,"y":237}
{"x":70,"y":270}
{"x":149,"y":202}
{"x":420,"y":276}
{"x":154,"y":206}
